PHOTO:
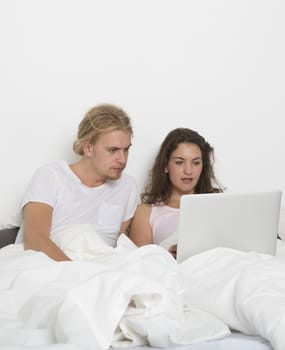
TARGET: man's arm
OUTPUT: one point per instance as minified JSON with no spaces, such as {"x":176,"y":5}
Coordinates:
{"x":37,"y":226}
{"x":140,"y":231}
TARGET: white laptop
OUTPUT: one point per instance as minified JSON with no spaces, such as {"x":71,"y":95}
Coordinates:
{"x":243,"y":221}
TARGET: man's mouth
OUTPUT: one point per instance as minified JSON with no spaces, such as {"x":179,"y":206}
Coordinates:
{"x":119,"y":169}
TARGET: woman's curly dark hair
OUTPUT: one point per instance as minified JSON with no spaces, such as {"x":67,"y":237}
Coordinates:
{"x":159,"y":187}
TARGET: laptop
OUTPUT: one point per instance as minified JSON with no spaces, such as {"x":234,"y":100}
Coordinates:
{"x":243,"y":221}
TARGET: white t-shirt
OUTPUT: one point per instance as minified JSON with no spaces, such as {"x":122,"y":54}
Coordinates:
{"x":105,"y":206}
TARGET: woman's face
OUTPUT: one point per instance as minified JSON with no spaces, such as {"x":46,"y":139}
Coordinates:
{"x":184,"y":168}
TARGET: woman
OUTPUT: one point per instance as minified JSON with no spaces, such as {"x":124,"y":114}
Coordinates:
{"x":183,"y":165}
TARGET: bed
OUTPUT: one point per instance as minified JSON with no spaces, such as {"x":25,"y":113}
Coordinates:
{"x":41,"y":271}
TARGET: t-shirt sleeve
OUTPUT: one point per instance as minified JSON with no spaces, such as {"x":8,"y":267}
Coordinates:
{"x":42,"y":188}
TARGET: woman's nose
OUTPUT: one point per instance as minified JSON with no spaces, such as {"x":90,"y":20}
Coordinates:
{"x":188,"y":169}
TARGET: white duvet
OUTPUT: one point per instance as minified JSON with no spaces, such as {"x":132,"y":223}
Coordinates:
{"x":132,"y":296}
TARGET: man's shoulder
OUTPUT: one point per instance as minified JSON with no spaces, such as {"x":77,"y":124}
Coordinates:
{"x":51,"y":170}
{"x":58,"y":167}
{"x":59,"y":164}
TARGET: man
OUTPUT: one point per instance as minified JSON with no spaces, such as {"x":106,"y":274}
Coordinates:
{"x":91,"y":191}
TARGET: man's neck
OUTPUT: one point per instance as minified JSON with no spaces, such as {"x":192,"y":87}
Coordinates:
{"x":86,"y":174}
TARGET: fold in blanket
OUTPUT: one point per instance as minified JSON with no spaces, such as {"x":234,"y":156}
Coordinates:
{"x":135,"y":296}
{"x":109,"y":296}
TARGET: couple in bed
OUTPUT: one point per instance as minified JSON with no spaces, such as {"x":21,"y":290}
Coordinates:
{"x":146,"y":290}
{"x":95,"y":191}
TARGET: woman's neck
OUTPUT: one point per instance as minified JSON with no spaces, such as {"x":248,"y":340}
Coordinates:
{"x":174,"y":201}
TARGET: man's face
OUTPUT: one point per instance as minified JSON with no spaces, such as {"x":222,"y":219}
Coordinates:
{"x":109,"y":155}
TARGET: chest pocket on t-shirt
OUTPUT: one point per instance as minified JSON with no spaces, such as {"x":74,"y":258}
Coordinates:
{"x":110,"y":215}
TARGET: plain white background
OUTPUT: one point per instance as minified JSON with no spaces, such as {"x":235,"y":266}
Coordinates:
{"x":213,"y":66}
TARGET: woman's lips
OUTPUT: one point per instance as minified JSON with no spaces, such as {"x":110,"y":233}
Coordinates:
{"x":187,"y":179}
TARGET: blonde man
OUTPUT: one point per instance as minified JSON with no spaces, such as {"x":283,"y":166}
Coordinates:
{"x":91,"y":191}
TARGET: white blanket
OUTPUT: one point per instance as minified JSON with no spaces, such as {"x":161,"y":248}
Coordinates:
{"x":244,"y":290}
{"x":132,"y":296}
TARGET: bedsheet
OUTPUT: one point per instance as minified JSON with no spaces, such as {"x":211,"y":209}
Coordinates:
{"x":129,"y":296}
{"x":235,"y":341}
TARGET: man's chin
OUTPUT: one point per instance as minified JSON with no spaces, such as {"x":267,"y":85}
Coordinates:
{"x":115,"y":176}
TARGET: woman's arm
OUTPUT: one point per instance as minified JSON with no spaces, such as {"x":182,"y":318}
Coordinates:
{"x":140,"y":231}
{"x":37,"y":226}
{"x":125,"y":227}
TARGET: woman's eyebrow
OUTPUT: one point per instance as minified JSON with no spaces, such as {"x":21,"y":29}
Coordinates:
{"x":182,"y":158}
{"x":177,"y":157}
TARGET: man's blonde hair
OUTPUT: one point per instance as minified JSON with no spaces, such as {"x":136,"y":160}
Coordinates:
{"x":98,"y":120}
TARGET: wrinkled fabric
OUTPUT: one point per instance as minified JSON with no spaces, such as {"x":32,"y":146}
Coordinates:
{"x":119,"y":296}
{"x":129,"y":296}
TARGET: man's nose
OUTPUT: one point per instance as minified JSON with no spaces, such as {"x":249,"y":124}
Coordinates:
{"x":122,"y":157}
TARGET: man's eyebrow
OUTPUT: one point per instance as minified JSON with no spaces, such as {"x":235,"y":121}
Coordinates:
{"x":117,"y":148}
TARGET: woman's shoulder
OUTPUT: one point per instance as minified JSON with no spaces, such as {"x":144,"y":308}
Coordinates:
{"x":143,"y":210}
{"x":154,"y":209}
{"x":144,"y":207}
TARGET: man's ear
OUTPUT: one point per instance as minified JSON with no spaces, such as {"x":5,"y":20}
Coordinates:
{"x":87,"y":149}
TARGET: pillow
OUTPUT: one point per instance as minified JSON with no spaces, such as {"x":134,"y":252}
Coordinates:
{"x":8,"y":236}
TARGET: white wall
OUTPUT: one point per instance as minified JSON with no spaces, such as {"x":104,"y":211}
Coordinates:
{"x":214,"y":66}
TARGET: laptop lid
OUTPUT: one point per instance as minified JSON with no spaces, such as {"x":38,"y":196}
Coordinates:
{"x":243,"y":221}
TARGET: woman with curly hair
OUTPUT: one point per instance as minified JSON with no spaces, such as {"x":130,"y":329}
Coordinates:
{"x":183,"y":165}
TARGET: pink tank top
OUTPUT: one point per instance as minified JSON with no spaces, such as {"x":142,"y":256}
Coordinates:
{"x":164,"y":222}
